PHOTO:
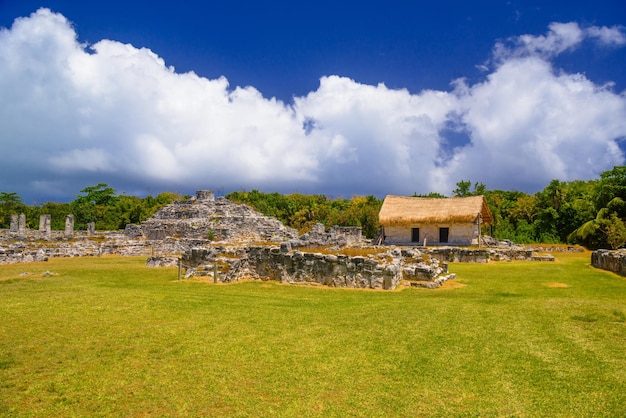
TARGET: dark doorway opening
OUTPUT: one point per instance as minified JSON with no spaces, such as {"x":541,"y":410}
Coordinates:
{"x":443,"y":234}
{"x":415,"y":235}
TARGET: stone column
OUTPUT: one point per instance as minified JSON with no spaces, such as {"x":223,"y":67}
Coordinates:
{"x":44,"y":225}
{"x":14,"y":224}
{"x":91,"y":229}
{"x":21,"y":225}
{"x":69,"y":225}
{"x":205,"y":195}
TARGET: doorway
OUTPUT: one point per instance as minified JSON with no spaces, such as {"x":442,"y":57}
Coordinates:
{"x":443,"y":234}
{"x":415,"y":235}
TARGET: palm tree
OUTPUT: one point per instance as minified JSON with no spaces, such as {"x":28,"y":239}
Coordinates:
{"x":607,"y":222}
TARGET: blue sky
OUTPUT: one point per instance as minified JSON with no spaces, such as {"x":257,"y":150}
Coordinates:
{"x":314,"y":97}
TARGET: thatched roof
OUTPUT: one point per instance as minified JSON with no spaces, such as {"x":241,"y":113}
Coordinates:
{"x":403,"y":210}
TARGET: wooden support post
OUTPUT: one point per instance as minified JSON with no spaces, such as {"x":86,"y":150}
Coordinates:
{"x":215,"y":272}
{"x":180,"y":268}
{"x":479,"y":219}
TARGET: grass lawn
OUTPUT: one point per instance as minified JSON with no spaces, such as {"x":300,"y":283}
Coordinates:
{"x":109,"y":336}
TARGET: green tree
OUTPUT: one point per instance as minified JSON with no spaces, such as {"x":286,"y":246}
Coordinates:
{"x":525,"y":209}
{"x":612,"y":184}
{"x":10,"y":204}
{"x":608,"y":197}
{"x":594,"y":233}
{"x":615,"y":230}
{"x":97,"y":204}
{"x":463,"y":189}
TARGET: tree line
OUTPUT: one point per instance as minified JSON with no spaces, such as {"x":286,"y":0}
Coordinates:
{"x":590,"y":213}
{"x":100,"y":204}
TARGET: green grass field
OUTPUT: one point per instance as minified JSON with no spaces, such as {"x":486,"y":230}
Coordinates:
{"x":110,"y":337}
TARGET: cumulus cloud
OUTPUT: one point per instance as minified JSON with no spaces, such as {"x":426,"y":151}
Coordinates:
{"x":529,"y":125}
{"x":73,"y":115}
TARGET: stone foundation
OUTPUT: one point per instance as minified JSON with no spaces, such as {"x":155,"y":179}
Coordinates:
{"x":32,"y":247}
{"x":336,"y":236}
{"x":384,"y":270}
{"x":473,"y":255}
{"x":614,"y":261}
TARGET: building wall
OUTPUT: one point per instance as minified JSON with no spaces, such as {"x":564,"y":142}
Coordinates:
{"x":459,"y":234}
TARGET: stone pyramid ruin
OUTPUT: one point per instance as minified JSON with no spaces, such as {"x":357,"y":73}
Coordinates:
{"x":204,"y":217}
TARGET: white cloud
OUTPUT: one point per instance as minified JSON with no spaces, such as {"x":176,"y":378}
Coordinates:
{"x":608,"y":36}
{"x":114,"y":113}
{"x":388,"y":139}
{"x":529,"y":125}
{"x":561,"y":37}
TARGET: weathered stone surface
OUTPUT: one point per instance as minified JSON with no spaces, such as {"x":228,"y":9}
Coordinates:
{"x":383,"y":271}
{"x":21,"y":224}
{"x":473,"y":255}
{"x":215,"y":220}
{"x":208,"y":195}
{"x":14,"y":227}
{"x":339,"y":236}
{"x":15,"y":255}
{"x":44,"y":225}
{"x":69,"y":225}
{"x":133,"y":231}
{"x":614,"y":261}
{"x":270,"y":263}
{"x":162,"y":261}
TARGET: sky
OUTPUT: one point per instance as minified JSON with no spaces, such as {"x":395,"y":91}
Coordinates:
{"x":334,"y":98}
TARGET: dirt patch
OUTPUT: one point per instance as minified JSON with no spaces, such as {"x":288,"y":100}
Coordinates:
{"x":556,"y":285}
{"x":452,"y":284}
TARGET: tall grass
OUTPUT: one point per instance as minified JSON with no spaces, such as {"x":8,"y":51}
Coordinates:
{"x":108,"y":336}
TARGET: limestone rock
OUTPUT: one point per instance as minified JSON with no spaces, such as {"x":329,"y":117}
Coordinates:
{"x":614,"y":261}
{"x":214,"y":220}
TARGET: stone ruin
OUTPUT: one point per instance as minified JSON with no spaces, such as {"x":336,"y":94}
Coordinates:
{"x":18,"y":227}
{"x":611,"y":260}
{"x":205,"y":217}
{"x":174,"y":229}
{"x":247,"y":244}
{"x":336,"y":235}
{"x":382,"y":268}
{"x":243,"y":243}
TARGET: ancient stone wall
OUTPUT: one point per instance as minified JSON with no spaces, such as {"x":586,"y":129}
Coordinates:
{"x":473,"y":255}
{"x":614,"y":261}
{"x":269,"y":263}
{"x":32,"y":246}
{"x":335,"y":236}
{"x":21,"y":255}
{"x":381,"y":271}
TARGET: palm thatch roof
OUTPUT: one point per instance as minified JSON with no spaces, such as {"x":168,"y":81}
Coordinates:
{"x":404,"y":210}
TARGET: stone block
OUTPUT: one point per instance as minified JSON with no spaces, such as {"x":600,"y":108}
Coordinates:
{"x":69,"y":226}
